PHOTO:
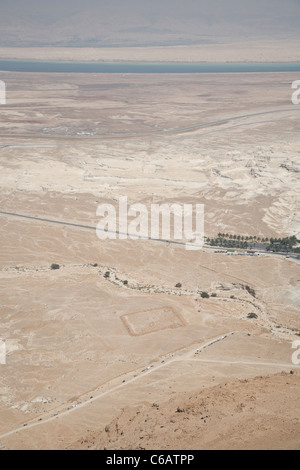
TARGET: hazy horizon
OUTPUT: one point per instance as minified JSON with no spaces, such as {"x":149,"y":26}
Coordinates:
{"x":140,"y":22}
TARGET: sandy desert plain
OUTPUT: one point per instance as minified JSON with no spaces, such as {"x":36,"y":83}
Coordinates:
{"x":93,"y":362}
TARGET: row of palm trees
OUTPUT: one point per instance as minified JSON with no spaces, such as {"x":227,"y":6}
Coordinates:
{"x":286,"y":244}
{"x":282,"y":241}
{"x":242,"y":238}
{"x":227,"y":243}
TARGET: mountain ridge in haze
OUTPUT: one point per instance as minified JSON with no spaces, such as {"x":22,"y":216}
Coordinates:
{"x":98,"y":23}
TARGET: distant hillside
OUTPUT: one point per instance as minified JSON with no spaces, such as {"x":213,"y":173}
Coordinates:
{"x":141,"y":22}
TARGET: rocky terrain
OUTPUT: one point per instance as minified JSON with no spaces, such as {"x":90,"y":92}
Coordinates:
{"x":139,"y":350}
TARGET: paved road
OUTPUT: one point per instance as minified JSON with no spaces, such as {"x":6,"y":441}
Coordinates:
{"x":161,"y":240}
{"x":151,"y":133}
{"x":89,"y":227}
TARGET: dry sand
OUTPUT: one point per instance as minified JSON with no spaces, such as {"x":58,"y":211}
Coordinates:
{"x":82,"y":348}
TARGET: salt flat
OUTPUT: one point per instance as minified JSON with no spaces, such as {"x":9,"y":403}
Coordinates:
{"x":222,"y":51}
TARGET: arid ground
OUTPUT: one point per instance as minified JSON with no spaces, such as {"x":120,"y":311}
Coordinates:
{"x":96,"y":362}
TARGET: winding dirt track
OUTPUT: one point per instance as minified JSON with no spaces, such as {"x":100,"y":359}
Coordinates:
{"x":181,"y":355}
{"x":185,"y":353}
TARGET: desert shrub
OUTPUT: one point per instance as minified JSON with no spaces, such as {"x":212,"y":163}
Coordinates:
{"x":252,"y":315}
{"x":179,"y":410}
{"x":204,"y":295}
{"x":55,"y":266}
